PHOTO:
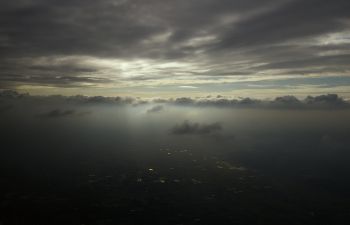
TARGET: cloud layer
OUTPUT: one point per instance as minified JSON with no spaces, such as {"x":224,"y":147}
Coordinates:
{"x":132,"y":44}
{"x":8,"y":98}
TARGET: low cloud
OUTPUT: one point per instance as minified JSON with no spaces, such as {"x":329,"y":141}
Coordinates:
{"x":58,"y":113}
{"x":190,"y":128}
{"x":155,"y":109}
{"x":328,"y":101}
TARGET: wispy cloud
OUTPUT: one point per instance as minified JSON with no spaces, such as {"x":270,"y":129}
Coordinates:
{"x":189,"y":87}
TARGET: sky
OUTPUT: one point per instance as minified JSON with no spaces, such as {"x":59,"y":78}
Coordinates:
{"x":175,"y":48}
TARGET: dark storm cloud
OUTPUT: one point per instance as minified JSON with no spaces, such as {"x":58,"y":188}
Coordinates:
{"x":293,"y":20}
{"x":258,"y":31}
{"x":188,"y":127}
{"x":70,"y":27}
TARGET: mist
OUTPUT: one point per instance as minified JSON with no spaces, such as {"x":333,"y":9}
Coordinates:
{"x":192,"y":163}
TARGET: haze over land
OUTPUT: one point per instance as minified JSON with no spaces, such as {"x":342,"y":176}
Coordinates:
{"x":122,"y":160}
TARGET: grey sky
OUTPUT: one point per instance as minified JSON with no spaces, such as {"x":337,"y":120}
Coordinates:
{"x":136,"y":47}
